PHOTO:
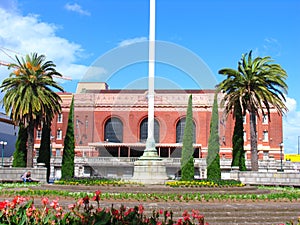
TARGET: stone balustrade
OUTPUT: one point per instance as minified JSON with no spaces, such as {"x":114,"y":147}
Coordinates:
{"x":267,"y":178}
{"x":9,"y":174}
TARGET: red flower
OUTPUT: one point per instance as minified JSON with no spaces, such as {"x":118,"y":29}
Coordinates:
{"x":3,"y":205}
{"x":86,"y":200}
{"x":97,"y":196}
{"x":115,"y":212}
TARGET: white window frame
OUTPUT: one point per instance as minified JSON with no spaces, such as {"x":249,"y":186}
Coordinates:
{"x":265,"y":136}
{"x":38,"y":134}
{"x":58,"y":152}
{"x":59,"y":135}
{"x":265,"y":119}
{"x":60,"y":118}
{"x":245,"y":119}
{"x":245,"y":135}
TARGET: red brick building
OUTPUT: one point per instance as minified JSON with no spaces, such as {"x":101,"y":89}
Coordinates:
{"x":114,"y":123}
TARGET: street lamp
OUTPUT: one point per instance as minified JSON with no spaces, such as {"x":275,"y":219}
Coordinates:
{"x":281,"y":146}
{"x":3,"y":143}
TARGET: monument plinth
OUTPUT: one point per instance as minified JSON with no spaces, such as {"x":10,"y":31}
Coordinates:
{"x":150,"y":168}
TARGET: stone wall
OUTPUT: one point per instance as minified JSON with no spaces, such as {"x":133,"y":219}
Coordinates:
{"x":266,"y":178}
{"x":14,"y":174}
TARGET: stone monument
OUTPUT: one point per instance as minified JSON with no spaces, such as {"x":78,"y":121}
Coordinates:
{"x":150,"y":168}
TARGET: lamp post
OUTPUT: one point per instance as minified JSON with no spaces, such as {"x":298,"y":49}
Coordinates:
{"x":281,"y":146}
{"x":3,"y":143}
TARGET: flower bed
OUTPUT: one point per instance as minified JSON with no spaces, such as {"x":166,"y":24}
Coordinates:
{"x":22,"y":210}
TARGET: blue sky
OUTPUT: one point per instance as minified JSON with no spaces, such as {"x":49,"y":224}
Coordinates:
{"x":76,"y":34}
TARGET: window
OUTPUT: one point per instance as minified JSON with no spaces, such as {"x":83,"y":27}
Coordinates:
{"x":244,"y":119}
{"x":144,"y":130}
{"x":245,"y":135}
{"x":86,"y":122}
{"x":58,"y":152}
{"x":180,"y":130}
{"x":38,"y":134}
{"x":60,"y":118}
{"x":113,"y":130}
{"x":265,"y":119}
{"x":59,"y":135}
{"x":265,"y":136}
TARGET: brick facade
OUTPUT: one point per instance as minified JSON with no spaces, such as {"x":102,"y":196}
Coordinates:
{"x":94,"y":108}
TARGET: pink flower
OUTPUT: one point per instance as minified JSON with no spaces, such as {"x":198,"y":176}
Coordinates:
{"x":18,"y":200}
{"x":45,"y":201}
{"x":179,"y":221}
{"x":71,"y":206}
{"x":168,"y":214}
{"x":161,"y":211}
{"x":141,"y":209}
{"x":54,"y":204}
{"x":80,"y":202}
{"x":29,"y":211}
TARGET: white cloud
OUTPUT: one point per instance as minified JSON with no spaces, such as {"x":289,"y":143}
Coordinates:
{"x":132,"y":41}
{"x":27,"y":34}
{"x":77,"y":8}
{"x":291,"y":127}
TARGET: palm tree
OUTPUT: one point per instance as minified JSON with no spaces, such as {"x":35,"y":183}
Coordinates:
{"x":259,"y":86}
{"x":29,"y":97}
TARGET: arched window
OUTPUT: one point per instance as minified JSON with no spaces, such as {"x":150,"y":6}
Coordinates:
{"x":180,"y":130}
{"x":113,"y":131}
{"x":144,"y":130}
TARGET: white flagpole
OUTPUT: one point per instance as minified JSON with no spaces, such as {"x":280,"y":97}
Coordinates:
{"x":150,"y":145}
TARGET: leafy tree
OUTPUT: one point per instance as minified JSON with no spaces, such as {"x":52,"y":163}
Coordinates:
{"x":20,"y":152}
{"x":213,"y":156}
{"x":259,"y":86}
{"x":29,"y":96}
{"x":45,"y":151}
{"x":187,"y":159}
{"x":67,"y":169}
{"x":238,"y":152}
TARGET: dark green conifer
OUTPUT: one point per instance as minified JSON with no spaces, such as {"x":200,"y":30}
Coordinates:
{"x":238,"y":152}
{"x":213,"y":155}
{"x":45,"y":150}
{"x":67,"y":170}
{"x":187,"y":159}
{"x":20,"y":154}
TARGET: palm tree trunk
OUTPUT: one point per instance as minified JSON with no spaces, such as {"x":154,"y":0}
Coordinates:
{"x":253,"y":142}
{"x":30,"y":144}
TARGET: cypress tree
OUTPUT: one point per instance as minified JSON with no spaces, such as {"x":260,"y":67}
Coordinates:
{"x":67,"y":169}
{"x":45,"y":151}
{"x":213,"y":156}
{"x":20,"y":154}
{"x":187,"y":159}
{"x":238,"y":153}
